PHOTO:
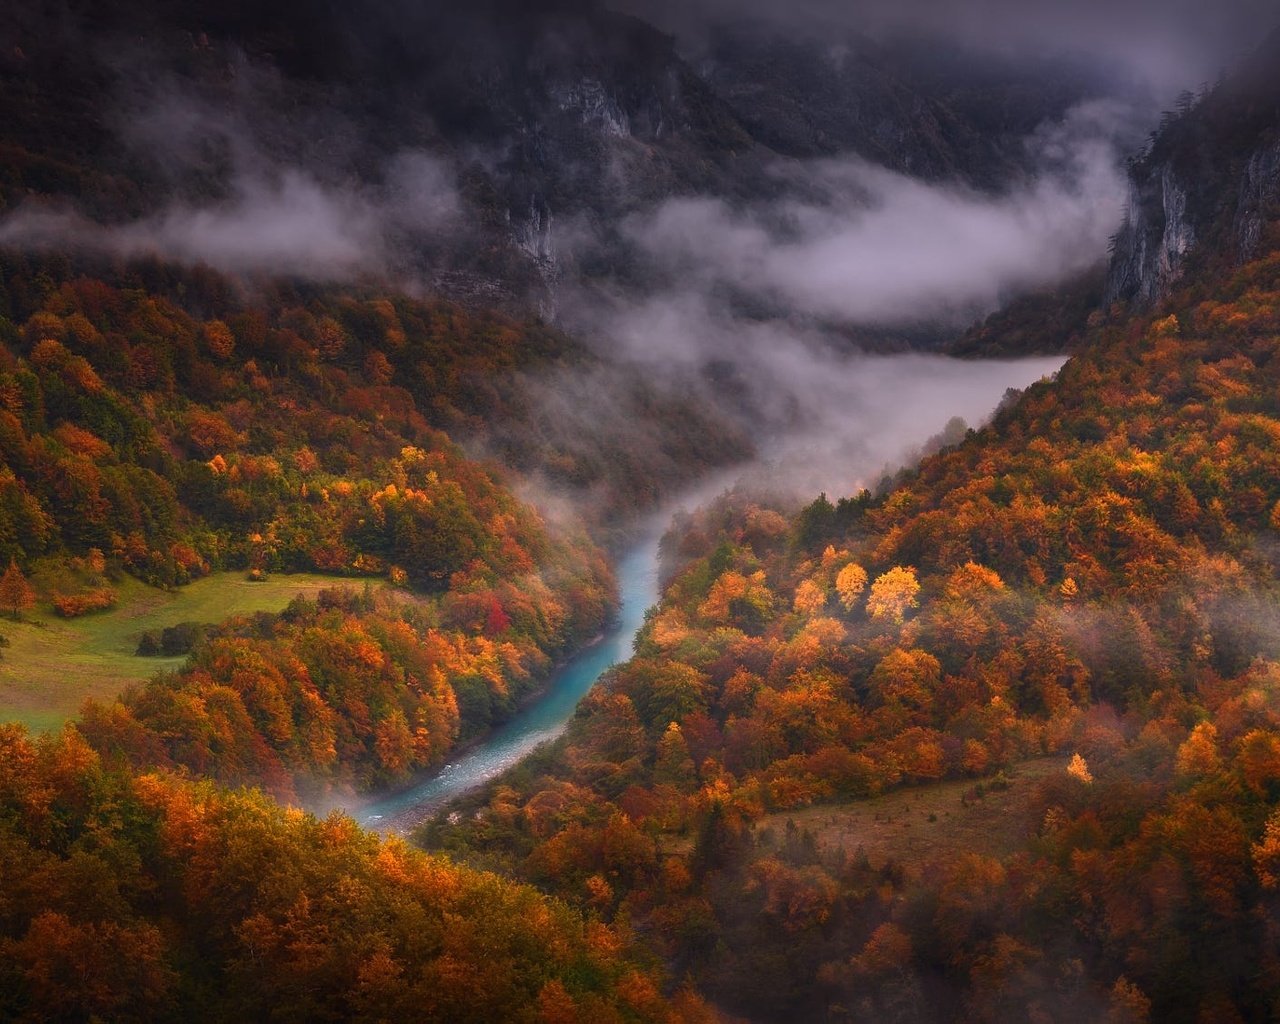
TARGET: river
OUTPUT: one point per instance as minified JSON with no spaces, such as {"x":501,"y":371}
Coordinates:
{"x":904,"y":400}
{"x":544,"y":718}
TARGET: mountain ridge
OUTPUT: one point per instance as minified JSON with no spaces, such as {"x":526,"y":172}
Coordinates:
{"x":1205,"y":186}
{"x":552,"y":117}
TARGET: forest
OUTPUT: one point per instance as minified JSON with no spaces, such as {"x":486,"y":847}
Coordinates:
{"x":143,"y":897}
{"x":1088,"y":577}
{"x":988,"y":732}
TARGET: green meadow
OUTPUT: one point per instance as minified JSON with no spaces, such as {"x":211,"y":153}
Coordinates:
{"x":53,"y":664}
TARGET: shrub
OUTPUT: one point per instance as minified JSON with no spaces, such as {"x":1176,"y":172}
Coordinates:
{"x":181,"y":639}
{"x":70,"y":606}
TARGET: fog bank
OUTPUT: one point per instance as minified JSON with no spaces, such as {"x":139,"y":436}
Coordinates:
{"x":1166,"y":45}
{"x":857,"y":244}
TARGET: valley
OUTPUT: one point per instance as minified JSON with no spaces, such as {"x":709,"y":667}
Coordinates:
{"x":589,"y":511}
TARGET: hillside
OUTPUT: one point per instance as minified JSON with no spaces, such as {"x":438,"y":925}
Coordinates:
{"x":926,"y":828}
{"x":305,"y":487}
{"x":1093,"y":574}
{"x":142,"y":898}
{"x":142,"y":440}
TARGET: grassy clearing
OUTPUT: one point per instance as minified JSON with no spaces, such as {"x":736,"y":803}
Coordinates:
{"x":53,"y":664}
{"x":897,"y":826}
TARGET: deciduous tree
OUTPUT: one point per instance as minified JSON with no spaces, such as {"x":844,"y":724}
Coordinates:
{"x":16,"y":594}
{"x":893,"y":593}
{"x":851,"y":581}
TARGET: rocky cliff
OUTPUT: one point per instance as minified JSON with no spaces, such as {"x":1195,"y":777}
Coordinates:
{"x":1158,"y":234}
{"x":1207,"y":186}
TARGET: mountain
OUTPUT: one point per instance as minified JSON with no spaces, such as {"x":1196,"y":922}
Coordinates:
{"x":1205,"y":188}
{"x":553,"y":118}
{"x":145,"y":898}
{"x":1069,"y":614}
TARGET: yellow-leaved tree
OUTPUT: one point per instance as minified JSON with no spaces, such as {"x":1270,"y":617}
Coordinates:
{"x":851,"y":581}
{"x":809,"y":598}
{"x":893,"y":593}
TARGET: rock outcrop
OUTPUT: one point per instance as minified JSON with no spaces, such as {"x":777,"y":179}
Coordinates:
{"x":1207,"y":186}
{"x":1152,"y":245}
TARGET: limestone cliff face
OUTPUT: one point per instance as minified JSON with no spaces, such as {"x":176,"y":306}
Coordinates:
{"x":1207,"y":187}
{"x":1176,"y":215}
{"x":1153,"y":244}
{"x":1259,"y":192}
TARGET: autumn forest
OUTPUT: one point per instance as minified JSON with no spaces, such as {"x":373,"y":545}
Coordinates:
{"x":352,"y":364}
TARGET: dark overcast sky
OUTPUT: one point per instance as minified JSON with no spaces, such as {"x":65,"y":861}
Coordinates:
{"x":1171,"y":44}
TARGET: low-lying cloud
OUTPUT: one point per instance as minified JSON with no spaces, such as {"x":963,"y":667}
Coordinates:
{"x":755,"y":305}
{"x":869,"y":246}
{"x":1166,"y":45}
{"x":821,"y":415}
{"x":850,"y":246}
{"x":251,"y":184}
{"x":284,"y":222}
{"x":867,"y":415}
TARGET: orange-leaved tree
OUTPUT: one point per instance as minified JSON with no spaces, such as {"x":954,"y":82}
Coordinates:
{"x":15,"y":592}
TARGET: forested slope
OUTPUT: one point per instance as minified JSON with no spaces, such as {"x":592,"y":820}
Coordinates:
{"x":1089,"y":580}
{"x":143,"y":898}
{"x":1093,"y":575}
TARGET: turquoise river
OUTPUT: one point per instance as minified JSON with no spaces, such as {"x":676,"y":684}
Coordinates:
{"x":544,"y":718}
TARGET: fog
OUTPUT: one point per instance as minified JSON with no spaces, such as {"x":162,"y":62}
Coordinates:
{"x":870,"y":415}
{"x":852,"y":246}
{"x":742,"y":310}
{"x":820,"y":414}
{"x":252,"y":191}
{"x":852,"y":242}
{"x":275,"y":222}
{"x":870,"y":246}
{"x":1166,"y":45}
